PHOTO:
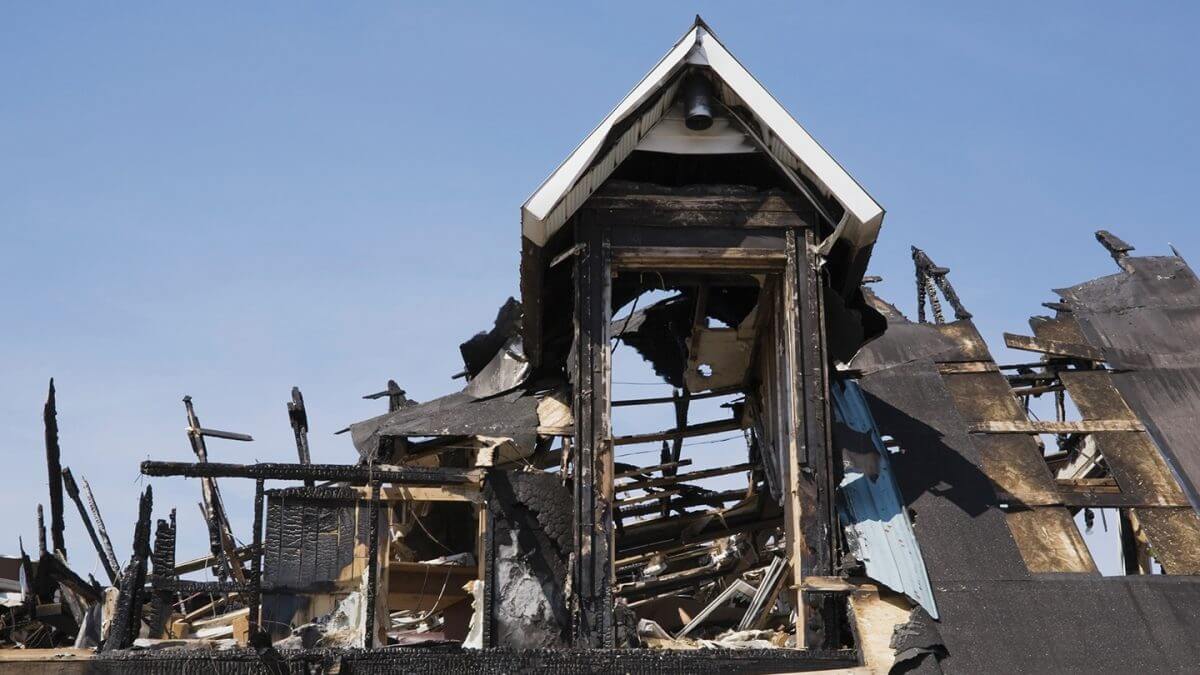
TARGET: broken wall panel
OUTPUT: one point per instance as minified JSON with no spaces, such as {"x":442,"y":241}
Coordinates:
{"x":315,"y":553}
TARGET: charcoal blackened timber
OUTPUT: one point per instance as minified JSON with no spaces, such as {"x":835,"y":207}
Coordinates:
{"x":256,"y":634}
{"x":298,"y":416}
{"x":41,"y":525}
{"x":591,"y":581}
{"x":51,"y":567}
{"x":73,"y":493}
{"x":127,"y":620}
{"x":101,"y":531}
{"x":355,"y":475}
{"x":220,"y":536}
{"x":54,"y":471}
{"x":372,"y":567}
{"x":163,"y":560}
{"x":395,"y":396}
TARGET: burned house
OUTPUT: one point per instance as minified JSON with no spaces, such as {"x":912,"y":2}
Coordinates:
{"x":839,"y":487}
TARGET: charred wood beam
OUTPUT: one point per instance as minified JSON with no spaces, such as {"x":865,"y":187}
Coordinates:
{"x":195,"y":565}
{"x":683,"y":402}
{"x":705,"y":499}
{"x":55,"y":569}
{"x":684,"y":477}
{"x":646,"y":470}
{"x":188,"y":586}
{"x":674,"y":398}
{"x":127,"y":620}
{"x":347,"y":473}
{"x":656,"y":207}
{"x":654,"y":496}
{"x":702,"y":429}
{"x":395,"y":395}
{"x":1053,"y":347}
{"x":697,"y":258}
{"x":669,"y":539}
{"x":101,"y":531}
{"x":298,"y":417}
{"x":1037,"y":390}
{"x":220,"y":536}
{"x":73,"y":493}
{"x":54,"y":470}
{"x":227,"y":435}
{"x":592,"y":523}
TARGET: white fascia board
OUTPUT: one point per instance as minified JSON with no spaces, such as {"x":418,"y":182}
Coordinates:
{"x":538,"y":206}
{"x":832,"y":176}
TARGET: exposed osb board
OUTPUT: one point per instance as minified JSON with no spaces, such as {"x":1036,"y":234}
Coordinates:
{"x":876,"y":614}
{"x":1174,"y":536}
{"x":1049,"y":541}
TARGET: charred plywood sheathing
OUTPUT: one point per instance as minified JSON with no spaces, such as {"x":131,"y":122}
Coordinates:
{"x":991,"y":518}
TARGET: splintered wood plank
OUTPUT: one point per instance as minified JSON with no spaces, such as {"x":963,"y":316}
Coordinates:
{"x":1053,"y":347}
{"x":1063,"y":328}
{"x":963,"y":367}
{"x":1053,"y":427}
{"x":667,"y":257}
{"x":1174,"y":535}
{"x":1049,"y":541}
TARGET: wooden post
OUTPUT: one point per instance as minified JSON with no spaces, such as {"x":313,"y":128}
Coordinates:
{"x":372,"y":567}
{"x":809,"y":507}
{"x":219,"y":533}
{"x":298,"y":417}
{"x":255,"y":618}
{"x":54,"y":472}
{"x":593,"y":462}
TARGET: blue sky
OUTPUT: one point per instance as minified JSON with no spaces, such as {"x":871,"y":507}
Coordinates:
{"x":226,"y":201}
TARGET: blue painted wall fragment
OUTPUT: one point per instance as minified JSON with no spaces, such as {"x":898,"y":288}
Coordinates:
{"x":871,"y":508}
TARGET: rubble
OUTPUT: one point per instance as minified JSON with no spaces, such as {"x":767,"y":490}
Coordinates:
{"x":834,"y":486}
